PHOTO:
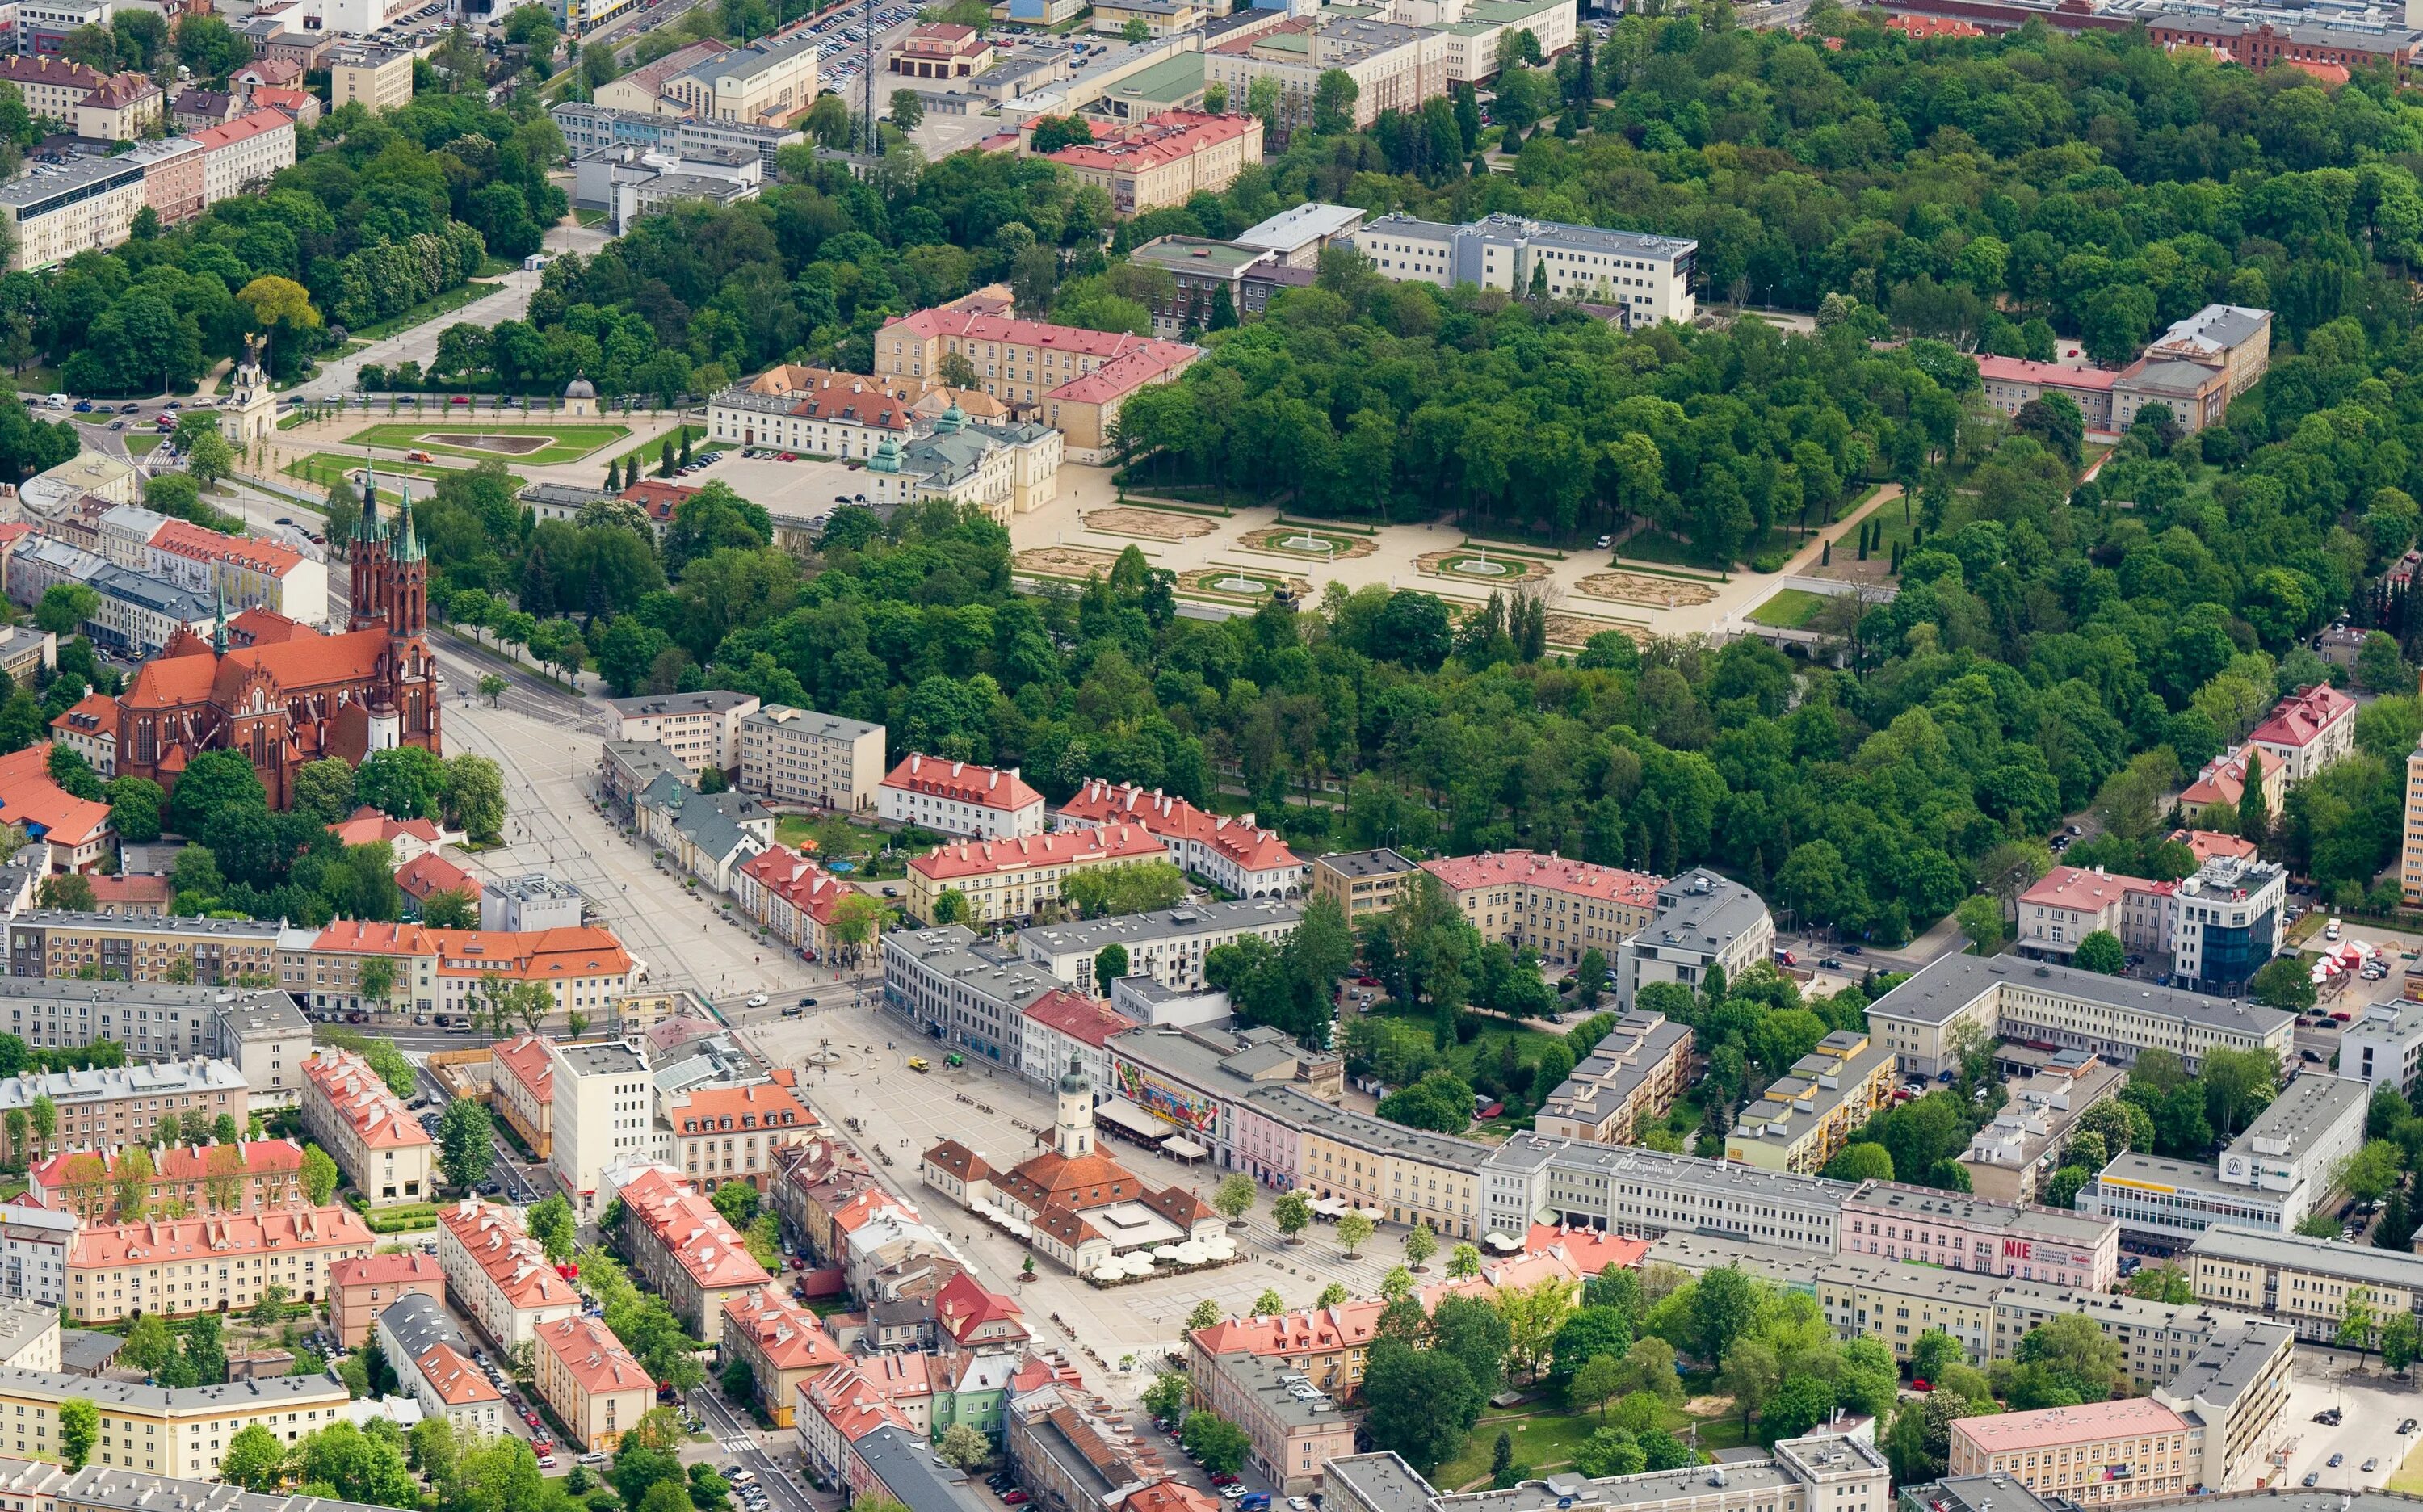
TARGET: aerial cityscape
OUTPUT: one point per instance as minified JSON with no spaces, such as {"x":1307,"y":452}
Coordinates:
{"x":1172,"y":755}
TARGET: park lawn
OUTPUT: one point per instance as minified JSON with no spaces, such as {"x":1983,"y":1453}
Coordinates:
{"x":2408,"y":1480}
{"x":142,"y":445}
{"x":403,"y":320}
{"x":570,"y":441}
{"x":1548,"y":1435}
{"x":1789,"y":608}
{"x":322,"y":469}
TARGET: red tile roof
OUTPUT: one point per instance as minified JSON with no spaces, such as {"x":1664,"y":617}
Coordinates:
{"x":56,"y":71}
{"x":191,"y":541}
{"x":795,"y":880}
{"x":767,"y":1105}
{"x":1078,"y":1017}
{"x":29,"y":797}
{"x":688,"y":1227}
{"x":1925,"y":26}
{"x":1529,"y":868}
{"x":93,"y":716}
{"x":2053,"y":1426}
{"x":527,"y":1061}
{"x":367,"y":825}
{"x":788,"y":1335}
{"x":2304,"y":716}
{"x":1589,"y":1250}
{"x":1162,"y":139}
{"x":2051,"y":374}
{"x":963,"y":782}
{"x":593,"y":1357}
{"x":361,"y":1097}
{"x":657,"y":498}
{"x":1116,"y":843}
{"x":219,"y":1237}
{"x":123,"y":890}
{"x":2205,"y":844}
{"x":1126,"y":372}
{"x":430,"y":873}
{"x":243,"y":129}
{"x":964,"y":1304}
{"x":397,"y":1268}
{"x":2075,"y":888}
{"x":847,"y":1400}
{"x":493,"y":1237}
{"x":456,"y":1381}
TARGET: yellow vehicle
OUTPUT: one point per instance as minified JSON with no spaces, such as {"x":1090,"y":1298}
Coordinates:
{"x":917,"y":1063}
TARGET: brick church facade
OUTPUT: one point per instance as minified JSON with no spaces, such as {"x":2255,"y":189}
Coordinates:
{"x":290,"y":693}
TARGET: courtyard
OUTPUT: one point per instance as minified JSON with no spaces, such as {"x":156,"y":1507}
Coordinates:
{"x":543,"y":445}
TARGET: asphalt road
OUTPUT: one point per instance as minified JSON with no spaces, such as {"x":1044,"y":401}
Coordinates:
{"x":744,"y":1446}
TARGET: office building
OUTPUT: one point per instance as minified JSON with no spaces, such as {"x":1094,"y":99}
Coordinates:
{"x":1624,"y":1189}
{"x":57,"y":210}
{"x":1627,"y":1081}
{"x":1647,"y":276}
{"x":631,"y":181}
{"x":2305,"y":1284}
{"x":518,"y":905}
{"x":602,"y":1113}
{"x":376,"y":79}
{"x":700,"y":729}
{"x":1394,"y":67}
{"x":1169,"y":946}
{"x":797,"y":756}
{"x":1815,"y":1474}
{"x":959,"y":798}
{"x":1202,"y":271}
{"x":2071,"y":1452}
{"x":2298,"y":1145}
{"x":2169,"y":1199}
{"x":384,"y":1152}
{"x":766,"y":84}
{"x":1701,"y":920}
{"x":1065,"y":1027}
{"x":1296,"y":237}
{"x":2113,"y":1016}
{"x":201,"y":1265}
{"x":964,"y":991}
{"x":587,"y":127}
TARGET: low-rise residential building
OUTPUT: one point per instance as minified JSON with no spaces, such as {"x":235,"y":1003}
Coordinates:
{"x":383,"y":1151}
{"x":433,"y":1364}
{"x":158,"y":1429}
{"x":1234,"y":855}
{"x":686,"y":1251}
{"x":521,"y":1089}
{"x":1806,"y":1116}
{"x":724,"y":1133}
{"x":239,"y":1176}
{"x":2113,"y":1016}
{"x":2008,"y":1158}
{"x":1071,"y":1454}
{"x":797,"y":756}
{"x":791,"y":896}
{"x":784,"y":1345}
{"x":1361,"y":883}
{"x":119,"y":107}
{"x":181,"y":1266}
{"x":1293,"y":1429}
{"x":959,"y":798}
{"x":1649,"y":278}
{"x":1164,"y":159}
{"x":2307,"y":732}
{"x":598,"y":1389}
{"x":361,"y":1289}
{"x":1630,"y":1078}
{"x":710,"y":836}
{"x":124,"y":1104}
{"x":499,"y":1276}
{"x":1005,"y":880}
{"x":2071,"y":1451}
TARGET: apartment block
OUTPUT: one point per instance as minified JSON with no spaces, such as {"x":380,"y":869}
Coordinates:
{"x":433,"y":1366}
{"x":376,"y":79}
{"x":124,"y":1104}
{"x":159,"y":1429}
{"x":1629,"y":1079}
{"x":1233,"y":853}
{"x":1394,"y":67}
{"x":1629,"y":1190}
{"x":2305,"y":1284}
{"x":216,"y":952}
{"x":219,"y":1263}
{"x":2007,"y":1159}
{"x":497,"y":1273}
{"x":602,"y":1113}
{"x":384,"y":1152}
{"x":596,"y":1387}
{"x":1293,"y":1428}
{"x":686,"y":1251}
{"x":1005,"y":880}
{"x":797,"y":756}
{"x":521,"y":1090}
{"x":786,"y":1346}
{"x":361,"y":1289}
{"x":2071,"y":1451}
{"x":237,"y":1177}
{"x":1925,"y":1226}
{"x":1806,"y":1115}
{"x":1701,"y":921}
{"x":1361,"y":883}
{"x":959,"y":798}
{"x":1168,"y":945}
{"x":722,"y":1133}
{"x":245,"y":153}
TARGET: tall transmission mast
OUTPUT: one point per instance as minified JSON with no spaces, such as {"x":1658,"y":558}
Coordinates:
{"x":866,"y":72}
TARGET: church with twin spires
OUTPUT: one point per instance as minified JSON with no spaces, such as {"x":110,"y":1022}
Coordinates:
{"x":284,"y":693}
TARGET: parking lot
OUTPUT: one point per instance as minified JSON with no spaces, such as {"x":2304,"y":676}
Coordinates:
{"x":2371,"y":1404}
{"x":799,"y":489}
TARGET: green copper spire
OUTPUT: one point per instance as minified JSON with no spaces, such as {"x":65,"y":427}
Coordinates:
{"x":409,"y":549}
{"x":219,"y":631}
{"x":366,"y":524}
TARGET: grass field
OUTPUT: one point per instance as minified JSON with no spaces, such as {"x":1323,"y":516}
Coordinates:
{"x":1545,"y":1436}
{"x":2409,"y":1478}
{"x":142,"y":445}
{"x":559,"y":444}
{"x":322,"y":469}
{"x":1789,"y":610}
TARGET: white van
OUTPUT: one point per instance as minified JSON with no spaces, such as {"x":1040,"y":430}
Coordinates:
{"x":2331,"y":931}
{"x":58,"y":401}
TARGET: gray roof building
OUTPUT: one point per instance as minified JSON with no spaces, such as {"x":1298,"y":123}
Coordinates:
{"x":1168,"y":944}
{"x":1702,"y":920}
{"x":1533,"y":1178}
{"x":915,"y":1476}
{"x":972,"y":991}
{"x":707,"y":701}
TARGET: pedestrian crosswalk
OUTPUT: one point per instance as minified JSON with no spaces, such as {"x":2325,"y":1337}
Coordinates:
{"x":736,"y":1446}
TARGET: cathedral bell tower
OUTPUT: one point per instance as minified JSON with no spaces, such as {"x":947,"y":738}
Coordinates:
{"x":366,"y":553}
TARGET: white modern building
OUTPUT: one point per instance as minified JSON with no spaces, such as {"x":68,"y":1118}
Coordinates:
{"x":603,"y":1115}
{"x":701,"y":729}
{"x":536,"y":901}
{"x":1702,"y":920}
{"x":1647,"y":276}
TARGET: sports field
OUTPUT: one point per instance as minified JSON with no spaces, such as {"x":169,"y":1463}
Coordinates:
{"x":540,"y":446}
